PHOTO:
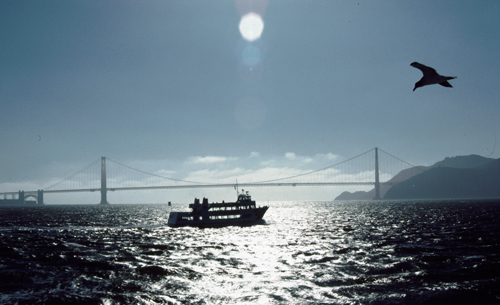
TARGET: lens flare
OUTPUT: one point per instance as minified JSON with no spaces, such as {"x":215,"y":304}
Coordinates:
{"x":251,"y":55}
{"x":251,"y":26}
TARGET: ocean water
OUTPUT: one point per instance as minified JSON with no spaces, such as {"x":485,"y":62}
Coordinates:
{"x":421,"y":252}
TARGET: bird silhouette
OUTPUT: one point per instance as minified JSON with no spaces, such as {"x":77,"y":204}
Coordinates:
{"x":431,"y":77}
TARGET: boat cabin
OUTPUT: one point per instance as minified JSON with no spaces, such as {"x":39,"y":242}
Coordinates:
{"x":244,"y":197}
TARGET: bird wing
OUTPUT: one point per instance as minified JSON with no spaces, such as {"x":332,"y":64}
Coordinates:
{"x":446,"y":84}
{"x":426,"y":70}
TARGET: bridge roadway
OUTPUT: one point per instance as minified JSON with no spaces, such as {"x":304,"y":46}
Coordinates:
{"x":132,"y":188}
{"x":232,"y":185}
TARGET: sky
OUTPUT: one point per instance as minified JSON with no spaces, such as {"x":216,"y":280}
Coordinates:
{"x":175,"y":87}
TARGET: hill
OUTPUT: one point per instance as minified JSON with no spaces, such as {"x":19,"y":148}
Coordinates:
{"x":458,"y":162}
{"x":447,"y":182}
{"x":471,"y":161}
{"x":401,"y":176}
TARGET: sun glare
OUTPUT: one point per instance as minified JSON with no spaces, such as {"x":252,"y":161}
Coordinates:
{"x":251,"y":26}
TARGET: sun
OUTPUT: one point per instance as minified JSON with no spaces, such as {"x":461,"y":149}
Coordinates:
{"x":251,"y":26}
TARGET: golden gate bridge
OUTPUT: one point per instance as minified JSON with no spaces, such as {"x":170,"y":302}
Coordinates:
{"x":374,"y":167}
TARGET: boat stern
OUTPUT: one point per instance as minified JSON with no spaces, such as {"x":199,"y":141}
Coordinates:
{"x":172,"y":219}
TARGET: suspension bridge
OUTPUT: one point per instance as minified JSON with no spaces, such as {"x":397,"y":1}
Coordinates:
{"x":374,"y":167}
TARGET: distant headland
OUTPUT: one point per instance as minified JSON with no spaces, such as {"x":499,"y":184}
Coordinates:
{"x":470,"y":176}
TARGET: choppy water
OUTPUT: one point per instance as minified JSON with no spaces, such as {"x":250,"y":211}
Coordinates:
{"x":306,"y":253}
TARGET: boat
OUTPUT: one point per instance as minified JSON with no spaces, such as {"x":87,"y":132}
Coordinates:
{"x":243,"y":212}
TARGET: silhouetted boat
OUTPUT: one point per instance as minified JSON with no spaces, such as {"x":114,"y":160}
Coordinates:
{"x":240,"y":213}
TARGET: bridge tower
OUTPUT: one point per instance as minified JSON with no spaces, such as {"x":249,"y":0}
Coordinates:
{"x":39,"y":197}
{"x":377,"y":181}
{"x":21,"y":197}
{"x":104,"y":189}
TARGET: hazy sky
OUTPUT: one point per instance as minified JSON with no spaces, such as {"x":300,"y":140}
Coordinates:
{"x":167,"y":84}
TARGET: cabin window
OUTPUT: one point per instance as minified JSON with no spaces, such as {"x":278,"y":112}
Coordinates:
{"x":223,"y":217}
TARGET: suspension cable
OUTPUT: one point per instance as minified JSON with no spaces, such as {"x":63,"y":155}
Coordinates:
{"x":318,"y":170}
{"x":73,"y":175}
{"x":167,"y":178}
{"x":419,"y":167}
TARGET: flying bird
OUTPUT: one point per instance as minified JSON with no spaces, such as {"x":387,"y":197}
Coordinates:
{"x":431,"y":77}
